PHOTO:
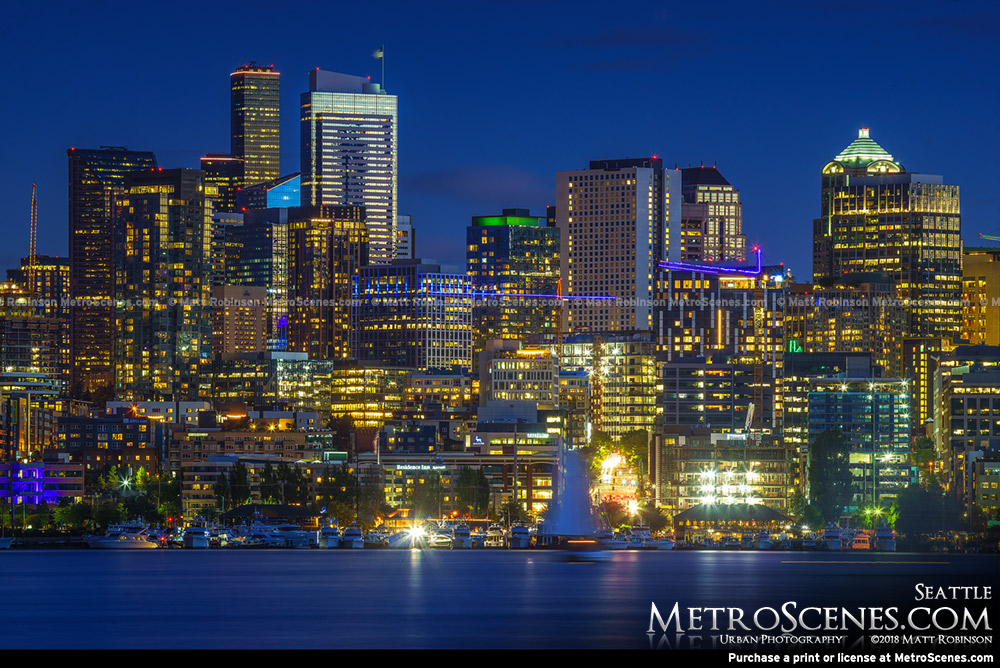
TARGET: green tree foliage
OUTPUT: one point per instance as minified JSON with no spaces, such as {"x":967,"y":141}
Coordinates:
{"x":427,"y":495}
{"x":830,"y":474}
{"x":512,"y":512}
{"x":612,"y":513}
{"x":465,"y":497}
{"x":926,"y":508}
{"x":239,"y":483}
{"x":223,"y":498}
{"x":337,"y":494}
{"x":107,"y":513}
{"x":634,"y":448}
{"x":372,"y":505}
{"x":797,"y":502}
{"x":812,"y":517}
{"x":341,"y":426}
{"x":654,"y":517}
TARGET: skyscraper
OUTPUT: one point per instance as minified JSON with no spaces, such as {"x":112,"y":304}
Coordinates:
{"x":617,"y":222}
{"x":96,"y":181}
{"x":327,"y":246}
{"x":349,"y":140}
{"x":513,"y":260}
{"x":711,"y":217}
{"x":164,"y":318}
{"x":253,"y":125}
{"x":225,"y":173}
{"x":876,"y":216}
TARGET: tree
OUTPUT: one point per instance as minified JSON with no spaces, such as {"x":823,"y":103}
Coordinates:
{"x":107,"y":513}
{"x":830,"y":474}
{"x":654,"y":517}
{"x":270,"y":487}
{"x":465,"y":497}
{"x":223,"y":498}
{"x":482,"y":498}
{"x":336,"y":494}
{"x":371,"y":499}
{"x":634,"y":448}
{"x":512,"y":512}
{"x":797,"y":502}
{"x":239,"y":483}
{"x":341,"y":427}
{"x":427,"y":495}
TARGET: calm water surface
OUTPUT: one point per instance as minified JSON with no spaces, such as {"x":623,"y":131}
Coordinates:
{"x":312,"y":599}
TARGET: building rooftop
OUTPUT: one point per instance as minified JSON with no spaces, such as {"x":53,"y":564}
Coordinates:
{"x":863,"y":150}
{"x":703,"y":176}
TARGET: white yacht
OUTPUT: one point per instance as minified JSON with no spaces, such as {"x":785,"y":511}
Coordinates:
{"x":519,"y":538}
{"x":125,"y":537}
{"x":609,"y":541}
{"x":352,"y":538}
{"x":832,"y":537}
{"x":495,"y":537}
{"x":461,"y":537}
{"x":885,"y":539}
{"x":762,"y":541}
{"x":329,"y":537}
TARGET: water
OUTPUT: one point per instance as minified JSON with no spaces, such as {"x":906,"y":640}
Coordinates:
{"x":313,"y":599}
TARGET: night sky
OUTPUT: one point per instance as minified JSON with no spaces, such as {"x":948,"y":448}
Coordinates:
{"x":496,"y":97}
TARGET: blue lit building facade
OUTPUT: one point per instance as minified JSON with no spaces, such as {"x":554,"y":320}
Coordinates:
{"x":280,"y":193}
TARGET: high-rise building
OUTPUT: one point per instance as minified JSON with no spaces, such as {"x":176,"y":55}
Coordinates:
{"x":225,"y":173}
{"x":981,"y":296}
{"x":617,"y":221}
{"x":412,"y":314}
{"x":873,"y":415}
{"x":257,"y":255}
{"x":328,"y":246}
{"x":348,"y":152}
{"x":876,"y":216}
{"x":96,"y":181}
{"x":51,"y":284}
{"x":711,"y":217}
{"x":254,"y":121}
{"x":513,"y":261}
{"x":164,"y":318}
{"x":406,"y":238}
{"x":239,"y":319}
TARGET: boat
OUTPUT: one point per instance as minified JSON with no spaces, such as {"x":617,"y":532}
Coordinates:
{"x":730,"y":543}
{"x":439,"y":537}
{"x":462,"y":537}
{"x":196,"y":537}
{"x":352,"y":538}
{"x":861,"y":541}
{"x":6,"y":542}
{"x":495,"y":537}
{"x":375,"y":540}
{"x":831,"y":538}
{"x":762,"y":541}
{"x":132,"y":536}
{"x":885,"y":539}
{"x":610,"y":541}
{"x":519,"y":538}
{"x":328,"y":537}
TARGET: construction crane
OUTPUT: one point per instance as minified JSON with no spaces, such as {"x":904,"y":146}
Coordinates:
{"x":33,"y":245}
{"x":991,"y":237}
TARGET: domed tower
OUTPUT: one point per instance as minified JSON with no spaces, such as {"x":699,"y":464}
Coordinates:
{"x":877,"y":217}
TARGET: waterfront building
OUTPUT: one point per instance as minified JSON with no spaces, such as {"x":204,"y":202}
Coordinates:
{"x":513,"y":261}
{"x":195,"y":445}
{"x":694,"y":466}
{"x":876,"y":216}
{"x":163,"y":349}
{"x":406,"y":238}
{"x":254,"y":127}
{"x":349,"y":152}
{"x":41,"y":482}
{"x":873,"y":414}
{"x":96,"y":181}
{"x":226,"y":173}
{"x":711,"y":217}
{"x":921,"y":355}
{"x":617,"y":221}
{"x":967,"y":412}
{"x":113,"y":440}
{"x":412,"y":314}
{"x":239,"y":319}
{"x":328,"y":247}
{"x":30,"y":421}
{"x":981,"y":296}
{"x":369,"y":395}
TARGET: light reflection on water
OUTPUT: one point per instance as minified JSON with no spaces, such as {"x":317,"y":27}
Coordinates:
{"x":417,"y":598}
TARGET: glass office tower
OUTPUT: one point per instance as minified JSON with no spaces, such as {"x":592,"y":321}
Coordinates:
{"x":254,"y":116}
{"x":349,"y":139}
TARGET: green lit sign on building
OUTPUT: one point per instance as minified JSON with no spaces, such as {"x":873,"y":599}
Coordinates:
{"x":493,"y":221}
{"x":794,"y":346}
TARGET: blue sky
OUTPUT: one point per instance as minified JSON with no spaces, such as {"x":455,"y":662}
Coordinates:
{"x":495,"y":97}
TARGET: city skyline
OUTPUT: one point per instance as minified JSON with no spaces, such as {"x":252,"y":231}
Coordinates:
{"x":657,"y":60}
